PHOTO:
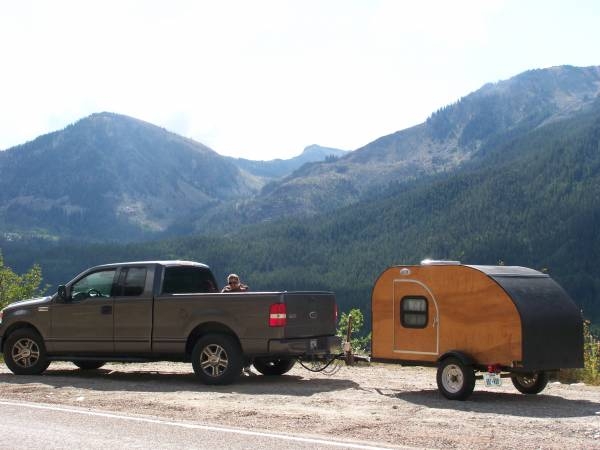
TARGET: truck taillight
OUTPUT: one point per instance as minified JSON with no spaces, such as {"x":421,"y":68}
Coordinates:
{"x":277,"y":315}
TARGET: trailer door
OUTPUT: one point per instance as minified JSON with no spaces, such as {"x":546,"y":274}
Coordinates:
{"x":416,"y":320}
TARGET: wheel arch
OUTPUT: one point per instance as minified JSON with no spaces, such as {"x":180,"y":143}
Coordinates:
{"x":18,"y":326}
{"x":208,"y":328}
{"x":463,"y":357}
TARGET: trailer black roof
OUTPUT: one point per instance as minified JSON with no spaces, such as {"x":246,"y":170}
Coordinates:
{"x":508,"y":271}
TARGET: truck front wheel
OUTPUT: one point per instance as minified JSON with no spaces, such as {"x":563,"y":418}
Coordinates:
{"x":274,"y":366}
{"x":25,"y":353}
{"x":530,"y":383}
{"x":217,"y":359}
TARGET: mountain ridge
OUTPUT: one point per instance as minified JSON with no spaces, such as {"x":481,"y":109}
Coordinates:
{"x":110,"y":176}
{"x":449,"y":138}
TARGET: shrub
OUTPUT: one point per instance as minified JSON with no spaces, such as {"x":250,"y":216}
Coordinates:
{"x":590,"y":374}
{"x":360,"y":343}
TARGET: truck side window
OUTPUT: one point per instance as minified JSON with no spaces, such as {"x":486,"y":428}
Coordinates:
{"x":97,"y":284}
{"x":413,"y":312}
{"x":135,"y":281}
{"x":188,"y":280}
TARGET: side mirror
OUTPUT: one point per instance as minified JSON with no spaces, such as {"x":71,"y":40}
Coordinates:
{"x":62,"y":293}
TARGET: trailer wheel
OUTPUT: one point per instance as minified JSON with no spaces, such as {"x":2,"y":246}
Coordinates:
{"x":274,"y":366}
{"x":25,"y":353}
{"x":455,"y":380}
{"x":217,"y":359}
{"x":530,"y":383}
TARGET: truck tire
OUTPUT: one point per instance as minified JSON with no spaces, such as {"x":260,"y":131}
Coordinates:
{"x":455,"y":380}
{"x":274,"y":366}
{"x":217,"y":359}
{"x":25,"y":352}
{"x":89,"y":365}
{"x":530,"y":383}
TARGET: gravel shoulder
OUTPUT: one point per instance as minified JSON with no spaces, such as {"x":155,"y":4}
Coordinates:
{"x":383,"y":404}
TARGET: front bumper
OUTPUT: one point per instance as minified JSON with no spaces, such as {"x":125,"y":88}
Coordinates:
{"x":322,"y":345}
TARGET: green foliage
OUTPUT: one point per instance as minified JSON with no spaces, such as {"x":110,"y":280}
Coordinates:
{"x":15,"y":287}
{"x":590,"y":374}
{"x":359,"y":343}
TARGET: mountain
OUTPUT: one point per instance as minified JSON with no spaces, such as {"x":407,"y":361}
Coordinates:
{"x":449,"y":138}
{"x":278,"y":168}
{"x":115,"y":177}
{"x":110,"y":176}
{"x":530,"y":196}
{"x":532,"y":201}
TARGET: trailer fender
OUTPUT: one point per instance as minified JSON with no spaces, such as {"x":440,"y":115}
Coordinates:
{"x":461,"y":356}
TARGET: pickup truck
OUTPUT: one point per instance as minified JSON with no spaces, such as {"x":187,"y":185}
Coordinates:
{"x":167,"y":311}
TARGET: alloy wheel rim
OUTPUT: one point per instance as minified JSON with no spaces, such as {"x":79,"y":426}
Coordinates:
{"x":214,"y":360}
{"x":25,"y":353}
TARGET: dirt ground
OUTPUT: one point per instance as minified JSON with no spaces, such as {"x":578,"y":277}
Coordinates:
{"x":382,"y":404}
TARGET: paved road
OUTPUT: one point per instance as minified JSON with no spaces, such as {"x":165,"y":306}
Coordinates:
{"x":29,"y":426}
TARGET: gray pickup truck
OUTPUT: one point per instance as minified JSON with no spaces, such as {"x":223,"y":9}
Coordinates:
{"x":167,"y":311}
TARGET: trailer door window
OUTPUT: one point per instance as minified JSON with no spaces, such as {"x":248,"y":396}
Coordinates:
{"x":413,"y":312}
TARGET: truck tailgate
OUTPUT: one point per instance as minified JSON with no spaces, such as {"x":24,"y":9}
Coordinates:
{"x":310,"y":314}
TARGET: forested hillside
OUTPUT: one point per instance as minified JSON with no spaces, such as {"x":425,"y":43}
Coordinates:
{"x":452,"y":136}
{"x":533,"y":200}
{"x":109,"y":177}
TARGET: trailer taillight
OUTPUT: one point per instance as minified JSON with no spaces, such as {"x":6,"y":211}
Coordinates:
{"x":277,"y":315}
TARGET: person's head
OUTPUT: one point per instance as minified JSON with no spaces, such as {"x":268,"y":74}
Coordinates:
{"x":233,"y":280}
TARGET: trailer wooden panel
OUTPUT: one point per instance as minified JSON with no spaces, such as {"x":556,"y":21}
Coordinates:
{"x":508,"y":316}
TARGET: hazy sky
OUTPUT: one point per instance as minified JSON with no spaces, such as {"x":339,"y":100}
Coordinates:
{"x":265,"y":78}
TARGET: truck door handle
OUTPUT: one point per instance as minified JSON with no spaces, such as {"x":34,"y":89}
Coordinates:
{"x":106,"y":309}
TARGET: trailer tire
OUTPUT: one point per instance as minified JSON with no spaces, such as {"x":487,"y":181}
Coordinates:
{"x":530,"y":383}
{"x":217,"y":359}
{"x":25,"y":352}
{"x":455,"y":380}
{"x":274,"y":366}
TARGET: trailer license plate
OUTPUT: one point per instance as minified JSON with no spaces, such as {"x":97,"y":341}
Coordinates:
{"x":492,"y":379}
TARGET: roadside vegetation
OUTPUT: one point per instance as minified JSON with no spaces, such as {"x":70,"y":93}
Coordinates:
{"x":590,"y":374}
{"x":359,"y":341}
{"x":15,"y":287}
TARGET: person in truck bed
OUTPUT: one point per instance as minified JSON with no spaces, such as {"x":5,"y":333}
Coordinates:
{"x":234,"y":284}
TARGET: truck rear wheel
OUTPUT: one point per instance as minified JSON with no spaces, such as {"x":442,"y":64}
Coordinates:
{"x":455,"y":380}
{"x":530,"y":383}
{"x":217,"y":359}
{"x":25,"y":353}
{"x":274,"y":366}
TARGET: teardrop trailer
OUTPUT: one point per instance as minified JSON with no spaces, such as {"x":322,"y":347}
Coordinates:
{"x":500,"y":321}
